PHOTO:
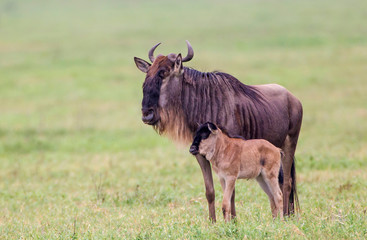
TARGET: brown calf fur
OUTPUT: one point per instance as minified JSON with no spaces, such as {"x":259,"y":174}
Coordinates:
{"x":236,"y":158}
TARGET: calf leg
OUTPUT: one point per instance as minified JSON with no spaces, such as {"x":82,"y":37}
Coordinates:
{"x":233,"y":207}
{"x":223,"y":184}
{"x":209,"y":186}
{"x":266,"y":189}
{"x":274,"y":188}
{"x":226,"y":204}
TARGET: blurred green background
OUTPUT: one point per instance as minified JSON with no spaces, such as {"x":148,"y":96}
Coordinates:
{"x":77,"y":162}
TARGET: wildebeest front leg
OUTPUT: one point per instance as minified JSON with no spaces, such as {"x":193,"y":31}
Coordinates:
{"x":209,"y":186}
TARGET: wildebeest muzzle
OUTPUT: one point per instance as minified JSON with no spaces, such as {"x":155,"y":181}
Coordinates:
{"x":148,"y":116}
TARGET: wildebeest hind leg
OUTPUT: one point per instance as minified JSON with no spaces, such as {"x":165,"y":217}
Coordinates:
{"x":289,"y":149}
{"x":209,"y":186}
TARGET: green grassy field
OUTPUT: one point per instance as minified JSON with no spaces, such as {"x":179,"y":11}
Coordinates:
{"x":77,"y":162}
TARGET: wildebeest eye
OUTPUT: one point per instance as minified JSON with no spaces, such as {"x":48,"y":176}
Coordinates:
{"x":162,"y":73}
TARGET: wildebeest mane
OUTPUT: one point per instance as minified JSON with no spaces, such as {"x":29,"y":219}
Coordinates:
{"x":196,"y":77}
{"x":222,"y":99}
{"x":212,"y":97}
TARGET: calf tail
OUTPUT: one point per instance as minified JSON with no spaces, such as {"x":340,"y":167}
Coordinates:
{"x":281,"y":176}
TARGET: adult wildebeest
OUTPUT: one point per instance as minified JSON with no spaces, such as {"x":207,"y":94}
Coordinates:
{"x":177,"y":98}
{"x":233,"y":157}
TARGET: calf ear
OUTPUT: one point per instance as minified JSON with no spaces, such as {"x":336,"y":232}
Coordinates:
{"x":178,"y":64}
{"x":142,"y":64}
{"x":213,"y":130}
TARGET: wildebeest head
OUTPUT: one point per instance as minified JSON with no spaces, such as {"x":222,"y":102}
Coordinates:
{"x":204,"y":132}
{"x":165,"y":72}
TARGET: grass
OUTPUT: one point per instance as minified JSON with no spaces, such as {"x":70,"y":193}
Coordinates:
{"x":77,"y":162}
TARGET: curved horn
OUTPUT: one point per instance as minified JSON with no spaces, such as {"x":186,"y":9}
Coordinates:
{"x":151,"y":52}
{"x":190,"y":53}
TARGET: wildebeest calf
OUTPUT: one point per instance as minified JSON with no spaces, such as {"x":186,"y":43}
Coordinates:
{"x":235,"y":157}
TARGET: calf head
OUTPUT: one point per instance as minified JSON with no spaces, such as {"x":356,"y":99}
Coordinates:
{"x":205,"y":139}
{"x":162,"y":81}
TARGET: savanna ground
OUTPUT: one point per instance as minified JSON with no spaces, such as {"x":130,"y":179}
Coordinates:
{"x":77,"y":162}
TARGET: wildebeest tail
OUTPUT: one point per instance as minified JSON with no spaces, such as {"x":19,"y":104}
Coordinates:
{"x":293,"y":197}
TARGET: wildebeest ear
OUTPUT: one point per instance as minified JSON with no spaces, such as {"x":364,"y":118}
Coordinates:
{"x":178,"y":64}
{"x":142,"y":64}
